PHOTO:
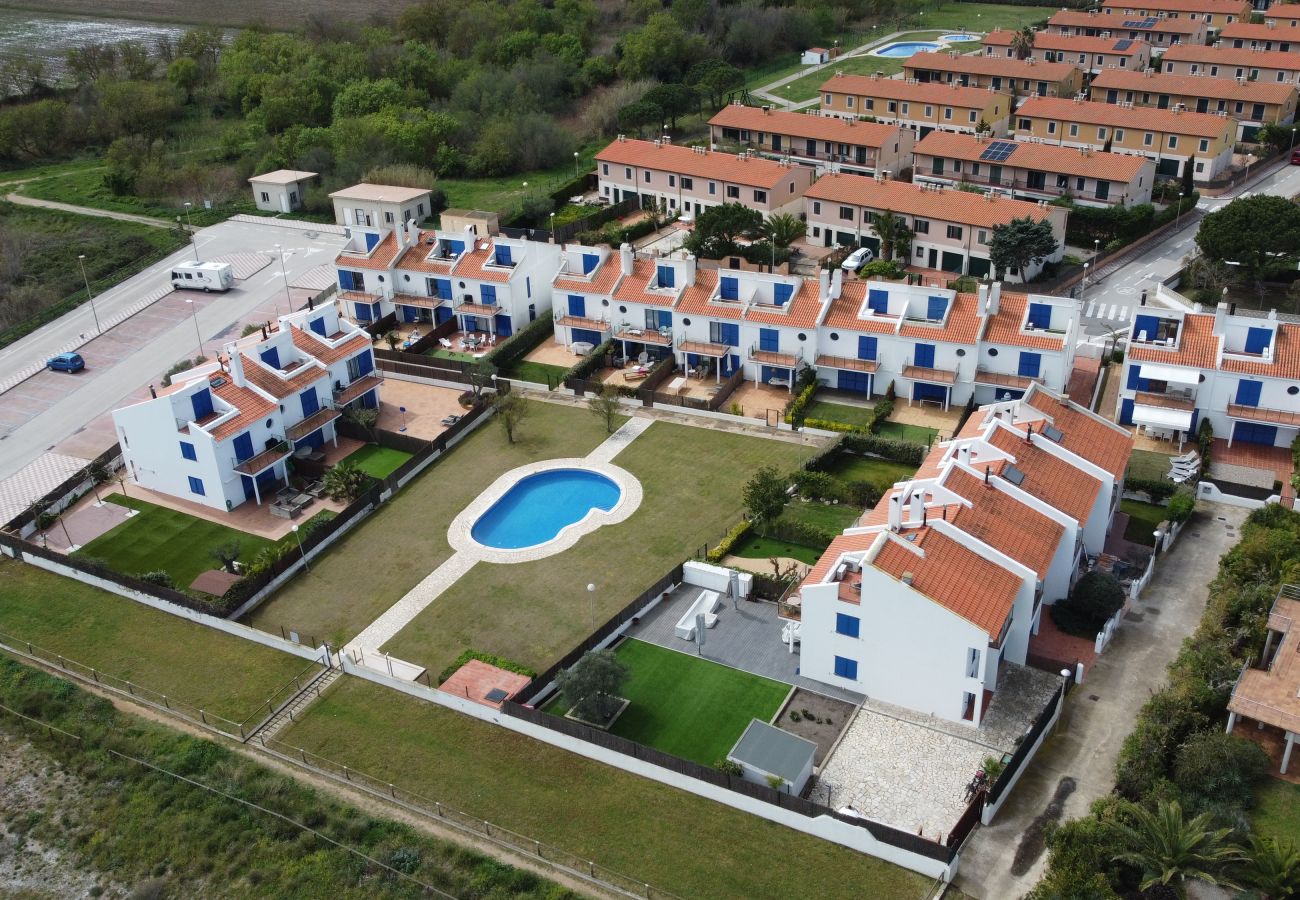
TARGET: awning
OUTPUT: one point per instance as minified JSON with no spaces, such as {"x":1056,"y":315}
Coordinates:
{"x":1159,"y":417}
{"x":1169,"y":373}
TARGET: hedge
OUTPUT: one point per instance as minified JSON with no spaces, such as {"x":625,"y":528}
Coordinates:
{"x":498,"y":661}
{"x":886,"y":448}
{"x":510,"y":351}
{"x":590,"y":363}
{"x":1159,"y":491}
{"x":797,"y":532}
{"x":738,"y":533}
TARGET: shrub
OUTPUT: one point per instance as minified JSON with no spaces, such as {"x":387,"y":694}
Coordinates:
{"x":816,"y":485}
{"x":882,"y":268}
{"x":1158,"y":491}
{"x":1096,"y":597}
{"x":1217,"y":768}
{"x":797,"y":532}
{"x":1181,"y":505}
{"x":861,"y":493}
{"x":738,"y":533}
{"x":589,"y":364}
{"x":499,"y":661}
{"x":729,"y":767}
{"x":795,"y":408}
{"x":160,"y":577}
{"x":183,"y":366}
{"x":345,"y":481}
{"x":885,"y":448}
{"x":513,"y":349}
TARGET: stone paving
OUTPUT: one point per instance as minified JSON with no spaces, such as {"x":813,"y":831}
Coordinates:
{"x":35,"y":480}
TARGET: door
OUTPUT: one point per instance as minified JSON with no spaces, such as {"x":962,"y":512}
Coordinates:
{"x":503,"y":325}
{"x":1254,"y":433}
{"x":934,"y":392}
{"x":284,"y":202}
{"x":924,"y":356}
{"x":951,"y":262}
{"x":857,"y":382}
{"x":577,"y":306}
{"x":588,"y":335}
{"x":1248,"y":392}
{"x":934,"y":258}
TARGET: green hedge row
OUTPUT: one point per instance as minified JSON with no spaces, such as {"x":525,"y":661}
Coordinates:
{"x":1158,"y":490}
{"x":492,"y":660}
{"x":887,"y":448}
{"x":510,"y":351}
{"x":738,"y":533}
{"x":589,"y":364}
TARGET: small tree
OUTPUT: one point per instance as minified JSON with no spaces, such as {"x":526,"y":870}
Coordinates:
{"x":1022,"y":42}
{"x":1273,"y":868}
{"x":228,"y":554}
{"x":480,"y":376}
{"x":345,"y":481}
{"x":1020,"y":244}
{"x":783,"y":229}
{"x":1169,"y":849}
{"x":363,"y":417}
{"x":511,"y":409}
{"x":592,"y":685}
{"x":895,"y":236}
{"x":1096,"y":597}
{"x":392,"y":339}
{"x":605,"y":406}
{"x":764,"y":497}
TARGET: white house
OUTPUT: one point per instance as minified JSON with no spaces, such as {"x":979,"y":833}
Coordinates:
{"x":581,"y":293}
{"x":280,"y":191}
{"x":378,"y":206}
{"x":815,"y":56}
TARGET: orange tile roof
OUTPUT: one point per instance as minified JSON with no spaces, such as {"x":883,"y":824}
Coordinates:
{"x":1004,"y":523}
{"x":601,"y":280}
{"x":1286,"y":357}
{"x":1222,"y":7}
{"x":279,"y":387}
{"x":1283,"y":12}
{"x":844,"y":543}
{"x":1121,"y":167}
{"x":1004,"y":328}
{"x":1044,"y":40}
{"x":805,"y":125}
{"x":695,"y":299}
{"x":633,"y":287}
{"x":379,"y":258}
{"x":474,"y":264}
{"x":752,"y":171}
{"x":1138,"y":118}
{"x":1006,"y":66}
{"x":844,"y":311}
{"x":1198,"y":345}
{"x":1234,"y":56}
{"x":1249,"y":31}
{"x":912,"y":91}
{"x":251,"y":405}
{"x":1078,"y":18}
{"x":1083,"y":433}
{"x":1047,"y":477}
{"x":800,"y":312}
{"x":979,"y":591}
{"x":308,"y":343}
{"x":961,"y":327}
{"x":416,"y":257}
{"x":1195,"y":86}
{"x":962,"y":207}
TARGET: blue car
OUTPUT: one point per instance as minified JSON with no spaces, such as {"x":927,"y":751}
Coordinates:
{"x":66,"y":362}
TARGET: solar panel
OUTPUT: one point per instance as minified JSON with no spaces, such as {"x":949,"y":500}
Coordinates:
{"x":999,"y":151}
{"x":1123,"y":45}
{"x":1141,"y":23}
{"x":1053,"y":434}
{"x":1013,"y":475}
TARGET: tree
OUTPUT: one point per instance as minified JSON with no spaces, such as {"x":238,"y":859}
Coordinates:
{"x":1276,"y":136}
{"x":1022,"y":42}
{"x":90,"y":62}
{"x":1220,"y":769}
{"x":764,"y":497}
{"x":1169,"y":849}
{"x":1020,"y":244}
{"x":592,"y":685}
{"x":605,"y":406}
{"x":365,"y":418}
{"x":714,"y":78}
{"x":1095,"y":598}
{"x":184,"y":73}
{"x":783,"y":229}
{"x":660,"y":49}
{"x":481,"y":374}
{"x":346,"y":481}
{"x":1255,"y":233}
{"x":1273,"y":868}
{"x":895,"y":236}
{"x":635,"y":116}
{"x":228,"y":554}
{"x":718,"y":227}
{"x":511,"y":409}
{"x":674,"y":99}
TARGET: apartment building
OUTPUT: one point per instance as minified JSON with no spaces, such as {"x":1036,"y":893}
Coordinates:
{"x":825,"y":143}
{"x":1237,"y":371}
{"x":581,"y":292}
{"x":921,"y":107}
{"x":379,"y":206}
{"x":1215,"y":13}
{"x":222,"y":433}
{"x":1250,"y":103}
{"x":1020,"y":77}
{"x":692,"y":179}
{"x":1031,"y":171}
{"x":1091,"y":54}
{"x":1284,"y":15}
{"x":1275,"y":66}
{"x":1171,"y":137}
{"x":952,"y":228}
{"x":1160,"y":32}
{"x":1268,"y":35}
{"x":280,"y":191}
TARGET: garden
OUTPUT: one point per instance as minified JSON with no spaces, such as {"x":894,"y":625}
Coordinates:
{"x":378,"y":462}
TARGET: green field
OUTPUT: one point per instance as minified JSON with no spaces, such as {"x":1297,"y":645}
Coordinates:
{"x":881,"y":473}
{"x":535,"y":612}
{"x":1143,"y":519}
{"x":833,"y":516}
{"x":685,"y":705}
{"x":1277,"y":811}
{"x":809,"y":86}
{"x":1148,"y":465}
{"x":377,"y":461}
{"x":899,"y":431}
{"x":85,"y":187}
{"x":756,"y":547}
{"x":839,"y":412}
{"x":166,"y":539}
{"x":210,"y":669}
{"x":537,"y":373}
{"x":630,"y":824}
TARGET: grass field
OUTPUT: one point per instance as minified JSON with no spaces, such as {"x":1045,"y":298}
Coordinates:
{"x":807,"y":87}
{"x":1277,"y":811}
{"x":86,"y":188}
{"x":535,"y":612}
{"x":839,"y":412}
{"x":685,"y":705}
{"x":756,"y":547}
{"x":916,"y":434}
{"x":882,"y":473}
{"x":161,"y":538}
{"x":834,"y":516}
{"x":628,"y":823}
{"x":378,"y":462}
{"x":215,"y":671}
{"x":379,"y":561}
{"x":1148,"y":465}
{"x":537,"y":373}
{"x":1143,"y":519}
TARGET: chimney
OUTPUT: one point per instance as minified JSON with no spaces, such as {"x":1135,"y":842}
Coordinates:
{"x":264,"y":335}
{"x":918,"y":506}
{"x":152,"y":392}
{"x":982,"y":306}
{"x":988,"y":470}
{"x":236,"y":366}
{"x":824,"y":292}
{"x":995,"y":298}
{"x":626,"y":258}
{"x":688,"y":273}
{"x":907,"y":578}
{"x":896,"y":512}
{"x":837,"y":283}
{"x":963,"y":454}
{"x":1029,"y":433}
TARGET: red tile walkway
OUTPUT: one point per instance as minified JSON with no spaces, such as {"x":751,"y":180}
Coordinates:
{"x":1083,"y":380}
{"x":476,"y":679}
{"x":1053,"y":649}
{"x":1256,"y":456}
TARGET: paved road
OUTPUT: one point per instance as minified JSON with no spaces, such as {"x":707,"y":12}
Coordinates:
{"x":148,"y":359}
{"x":1100,"y":713}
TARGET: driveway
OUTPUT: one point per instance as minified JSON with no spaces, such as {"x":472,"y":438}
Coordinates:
{"x":1101,"y":712}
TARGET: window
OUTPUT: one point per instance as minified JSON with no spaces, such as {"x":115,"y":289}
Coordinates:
{"x":1051,"y":128}
{"x":1205,"y":144}
{"x":869,"y":103}
{"x":827,"y":99}
{"x":1173,"y":141}
{"x":1119,"y":135}
{"x":848,"y":102}
{"x":1074,"y":129}
{"x":846,"y":668}
{"x":954,"y":232}
{"x":388,"y":218}
{"x":266,"y":198}
{"x":672,"y":181}
{"x":1101,"y":134}
{"x":893,"y":106}
{"x":687,"y":183}
{"x":733,"y":192}
{"x":760,"y":196}
{"x":627,"y":173}
{"x":187,"y":451}
{"x":604,"y":168}
{"x":947,"y":112}
{"x":1146,"y":139}
{"x":847,"y":625}
{"x":982,"y":237}
{"x":817,"y":207}
{"x":646,"y":177}
{"x":1025,"y":125}
{"x":921,"y":226}
{"x":713,"y":187}
{"x":936,"y":166}
{"x":846,"y":213}
{"x":973,"y":116}
{"x":196,"y":486}
{"x":929,"y":111}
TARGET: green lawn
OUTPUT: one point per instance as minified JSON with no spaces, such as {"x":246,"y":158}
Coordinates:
{"x":631,"y":824}
{"x":377,"y":562}
{"x":162,"y":538}
{"x":537,"y":373}
{"x":1148,"y":465}
{"x":839,"y":412}
{"x":440,"y":353}
{"x":834,"y":516}
{"x":1277,"y":811}
{"x":685,"y":705}
{"x":213,"y":670}
{"x":882,"y":473}
{"x":85,"y":187}
{"x":377,"y":461}
{"x":1143,"y":519}
{"x":916,"y":434}
{"x":756,"y":547}
{"x":535,"y":612}
{"x":809,"y":86}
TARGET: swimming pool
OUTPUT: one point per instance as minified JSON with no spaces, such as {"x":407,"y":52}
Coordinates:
{"x":538,"y":507}
{"x":904,"y":49}
{"x":958,"y":37}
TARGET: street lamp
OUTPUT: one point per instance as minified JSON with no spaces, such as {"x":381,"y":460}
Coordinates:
{"x":1293,"y":138}
{"x":190,"y":224}
{"x":301,"y":552}
{"x":287,"y":296}
{"x":591,"y":592}
{"x":194,"y":311}
{"x":575,"y":159}
{"x":1083,"y":291}
{"x":1179,"y":214}
{"x":81,"y":261}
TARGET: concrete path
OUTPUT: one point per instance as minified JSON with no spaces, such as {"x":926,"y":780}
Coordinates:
{"x":765,"y":90}
{"x":613,"y":445}
{"x":23,"y":200}
{"x":1100,"y":713}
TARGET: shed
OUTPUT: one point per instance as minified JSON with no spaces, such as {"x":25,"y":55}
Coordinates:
{"x":765,"y":750}
{"x":458,"y":221}
{"x":280,"y":191}
{"x":815,"y":56}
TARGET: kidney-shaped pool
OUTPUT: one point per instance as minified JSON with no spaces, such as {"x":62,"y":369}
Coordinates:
{"x":540,"y":506}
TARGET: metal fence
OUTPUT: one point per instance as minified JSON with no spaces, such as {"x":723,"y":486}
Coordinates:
{"x":1021,"y":754}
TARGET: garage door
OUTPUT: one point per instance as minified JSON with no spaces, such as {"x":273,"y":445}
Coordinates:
{"x":858,"y":382}
{"x":951,"y":262}
{"x":586,"y":334}
{"x":1254,"y":433}
{"x":872,"y":244}
{"x":978,"y":267}
{"x":1167,"y":167}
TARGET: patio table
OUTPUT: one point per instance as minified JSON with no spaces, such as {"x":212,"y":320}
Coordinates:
{"x":677,"y":383}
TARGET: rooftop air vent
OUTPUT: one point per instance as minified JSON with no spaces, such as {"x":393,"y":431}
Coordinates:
{"x":218,"y":382}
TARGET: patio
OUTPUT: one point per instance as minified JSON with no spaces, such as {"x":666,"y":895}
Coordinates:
{"x":1257,"y":457}
{"x":925,"y":415}
{"x":466,"y":345}
{"x":426,"y":406}
{"x":552,"y":353}
{"x":485,"y":684}
{"x":756,"y":398}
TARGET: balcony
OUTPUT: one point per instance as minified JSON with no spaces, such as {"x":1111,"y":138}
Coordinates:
{"x":999,"y":379}
{"x":1167,"y":410}
{"x":933,"y":376}
{"x":359,"y":297}
{"x":601,"y":325}
{"x":314,"y":422}
{"x":357,"y":389}
{"x":847,"y":364}
{"x":255,"y":465}
{"x":1183,"y":402}
{"x":773,"y":358}
{"x":703,"y":348}
{"x":418,"y":301}
{"x":663,"y":337}
{"x":1262,"y":414}
{"x":469,"y":308}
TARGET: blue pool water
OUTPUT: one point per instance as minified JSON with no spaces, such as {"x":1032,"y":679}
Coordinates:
{"x":958,"y":37}
{"x":906,"y":48}
{"x":539,"y":507}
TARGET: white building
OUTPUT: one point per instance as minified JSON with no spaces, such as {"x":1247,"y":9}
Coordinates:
{"x":378,"y":206}
{"x":280,"y":191}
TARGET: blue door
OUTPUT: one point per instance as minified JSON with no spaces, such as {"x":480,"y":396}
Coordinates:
{"x":923,"y":391}
{"x":588,"y":335}
{"x":202,"y":402}
{"x":1040,"y":315}
{"x":577,"y":305}
{"x":441,"y":314}
{"x":314,"y":440}
{"x":924,"y":356}
{"x":878,"y":300}
{"x":729,"y":288}
{"x":371,"y":240}
{"x":243,"y":446}
{"x":1248,"y":393}
{"x":271,"y":357}
{"x":1254,"y":433}
{"x":1030,"y":364}
{"x":362,"y":312}
{"x":769,"y":339}
{"x":410,"y":313}
{"x":589,"y":262}
{"x":310,"y":402}
{"x":857,"y":382}
{"x":248,"y":487}
{"x":503,"y":325}
{"x":1258,"y":339}
{"x":781,"y":293}
{"x":866,"y":346}
{"x":935,"y":308}
{"x":318,"y":325}
{"x":266,"y":481}
{"x":1126,"y":412}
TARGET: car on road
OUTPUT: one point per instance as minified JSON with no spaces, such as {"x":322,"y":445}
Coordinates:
{"x":1295,"y":157}
{"x":66,"y":362}
{"x":857,"y":259}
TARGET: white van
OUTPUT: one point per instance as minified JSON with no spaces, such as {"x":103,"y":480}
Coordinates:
{"x":203,"y":276}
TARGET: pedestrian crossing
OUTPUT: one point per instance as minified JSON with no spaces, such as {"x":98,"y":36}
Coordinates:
{"x":1113,"y":312}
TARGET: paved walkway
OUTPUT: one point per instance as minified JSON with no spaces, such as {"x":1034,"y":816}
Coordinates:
{"x":1100,"y":713}
{"x":765,"y":90}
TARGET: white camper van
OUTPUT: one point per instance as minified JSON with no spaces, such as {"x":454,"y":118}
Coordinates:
{"x":203,"y":276}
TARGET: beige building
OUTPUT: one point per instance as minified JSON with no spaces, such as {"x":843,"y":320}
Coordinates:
{"x":280,"y":191}
{"x":1091,"y":54}
{"x":1032,"y":171}
{"x":1215,"y":13}
{"x":1020,"y":77}
{"x":1251,"y":103}
{"x":380,"y":205}
{"x":952,"y":228}
{"x":1159,"y":31}
{"x":811,"y":139}
{"x":692,"y":179}
{"x":1228,"y":62}
{"x":1168,"y":136}
{"x":1271,"y":34}
{"x":922,"y":107}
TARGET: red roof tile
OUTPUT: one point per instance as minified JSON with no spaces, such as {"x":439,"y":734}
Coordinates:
{"x":752,"y":171}
{"x":416,"y":257}
{"x":1234,"y":56}
{"x":801,"y":312}
{"x":1049,"y":478}
{"x":962,"y":207}
{"x":1083,"y":433}
{"x":1222,"y":7}
{"x":251,"y":405}
{"x":277,"y":386}
{"x":961,"y":326}
{"x":601,"y":280}
{"x":474,"y":264}
{"x":844,"y":312}
{"x":805,"y":125}
{"x":1004,"y":523}
{"x":912,"y":91}
{"x":1078,"y":18}
{"x":1004,"y":328}
{"x":1044,"y":40}
{"x":633,"y":288}
{"x":1089,"y":112}
{"x":1120,"y":167}
{"x":379,"y":258}
{"x":1008,"y":67}
{"x":308,"y":343}
{"x":1198,"y":345}
{"x":695,"y":299}
{"x":1195,"y":86}
{"x":1286,"y":357}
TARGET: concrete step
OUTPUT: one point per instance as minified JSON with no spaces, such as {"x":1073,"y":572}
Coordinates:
{"x":295,"y":707}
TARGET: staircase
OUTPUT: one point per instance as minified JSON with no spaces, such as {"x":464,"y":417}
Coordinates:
{"x":296,"y":705}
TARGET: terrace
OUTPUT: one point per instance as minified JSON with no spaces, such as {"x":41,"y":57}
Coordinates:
{"x":1268,"y":695}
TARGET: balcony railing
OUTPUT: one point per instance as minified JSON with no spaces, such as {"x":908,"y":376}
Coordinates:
{"x":264,"y":460}
{"x":314,"y":422}
{"x":469,"y":307}
{"x":1183,"y":402}
{"x":1263,"y":414}
{"x":847,"y":363}
{"x":582,"y":322}
{"x":662,"y":337}
{"x":1001,"y":379}
{"x":1020,"y":186}
{"x":934,"y":376}
{"x":703,"y":348}
{"x":418,"y":300}
{"x":357,"y":389}
{"x":774,"y":358}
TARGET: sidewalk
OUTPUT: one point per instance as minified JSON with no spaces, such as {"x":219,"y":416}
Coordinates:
{"x":1100,"y":713}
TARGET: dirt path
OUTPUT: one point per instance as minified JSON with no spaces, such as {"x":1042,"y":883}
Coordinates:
{"x":23,"y":200}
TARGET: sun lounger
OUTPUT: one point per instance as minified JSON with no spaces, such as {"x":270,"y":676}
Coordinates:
{"x":1186,"y":459}
{"x":444,"y":343}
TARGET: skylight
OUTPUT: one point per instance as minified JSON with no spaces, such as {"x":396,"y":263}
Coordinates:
{"x":1052,"y":433}
{"x":1013,"y":475}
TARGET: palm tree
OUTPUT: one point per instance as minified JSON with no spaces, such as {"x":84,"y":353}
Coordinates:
{"x":783,"y":229}
{"x":1169,"y":849}
{"x":1023,"y":42}
{"x":895,"y":236}
{"x":1273,"y":868}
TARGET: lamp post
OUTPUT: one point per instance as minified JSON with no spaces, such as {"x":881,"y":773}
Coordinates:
{"x":194,"y":311}
{"x":591,"y":592}
{"x":288,"y":297}
{"x":301,"y":552}
{"x":81,"y":261}
{"x":1178,"y":215}
{"x":189,"y":223}
{"x":1292,"y":139}
{"x":575,"y":158}
{"x":1083,"y":291}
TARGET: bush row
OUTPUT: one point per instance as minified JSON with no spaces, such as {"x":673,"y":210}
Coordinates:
{"x":509,"y":352}
{"x":616,"y":235}
{"x":886,"y":448}
{"x":492,"y":660}
{"x":591,"y":363}
{"x":738,"y":533}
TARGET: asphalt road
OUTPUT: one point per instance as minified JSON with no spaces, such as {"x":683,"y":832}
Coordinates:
{"x":144,"y":361}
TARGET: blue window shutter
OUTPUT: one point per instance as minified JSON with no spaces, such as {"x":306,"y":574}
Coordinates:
{"x":1258,"y":339}
{"x":769,"y":339}
{"x":345,"y":279}
{"x":782,"y":294}
{"x":1135,"y":380}
{"x":202,"y":402}
{"x":271,"y":356}
{"x":1145,"y":325}
{"x":456,"y":247}
{"x":488,"y":294}
{"x":577,"y":305}
{"x":243,"y":446}
{"x":665,"y":276}
{"x":196,"y":486}
{"x":1248,"y":392}
{"x":365,"y":363}
{"x":589,"y":263}
{"x":371,"y":240}
{"x":1126,"y":412}
{"x":730,"y":333}
{"x":924,"y":356}
{"x":866,"y":346}
{"x":443,"y":288}
{"x":730,"y":289}
{"x":1030,"y":364}
{"x":363,"y":312}
{"x":878,"y":300}
{"x":847,"y":625}
{"x":310,"y":402}
{"x":1040,"y":315}
{"x":187,"y":451}
{"x":503,"y":255}
{"x":846,"y":668}
{"x":935,"y":308}
{"x":318,"y":325}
